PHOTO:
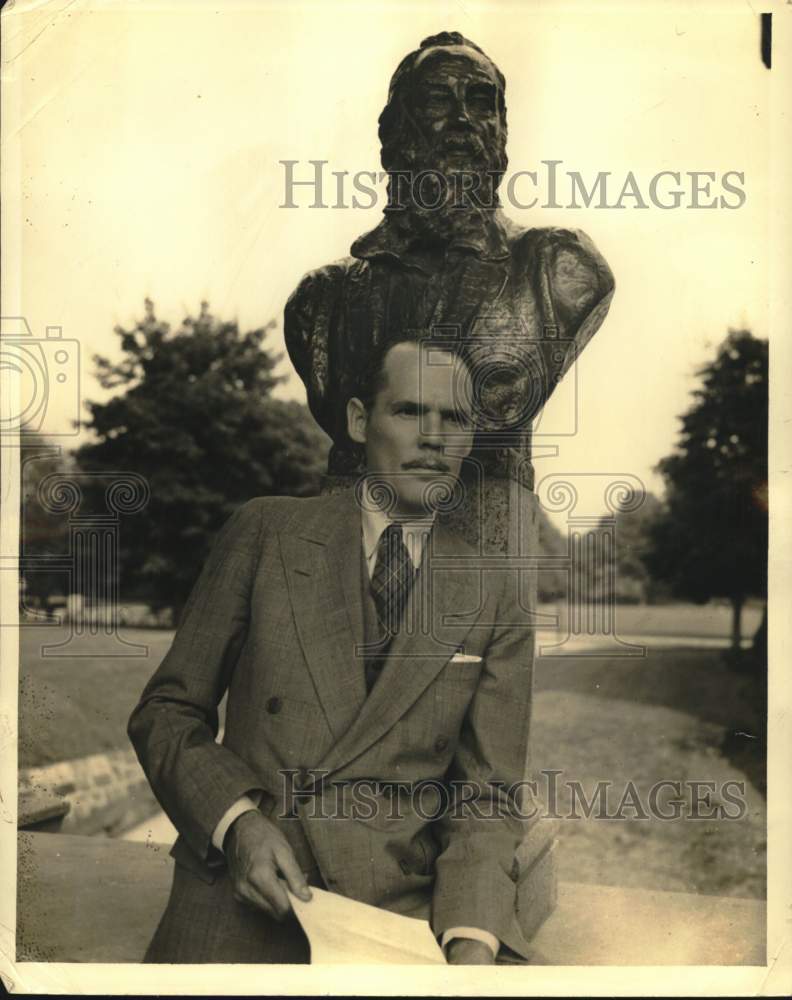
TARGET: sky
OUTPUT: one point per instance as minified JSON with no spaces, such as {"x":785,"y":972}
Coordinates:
{"x":143,"y":146}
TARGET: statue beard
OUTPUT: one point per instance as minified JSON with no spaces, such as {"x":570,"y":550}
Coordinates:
{"x":439,"y":198}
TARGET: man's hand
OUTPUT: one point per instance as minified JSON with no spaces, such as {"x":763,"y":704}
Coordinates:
{"x":464,"y":951}
{"x":257,"y":853}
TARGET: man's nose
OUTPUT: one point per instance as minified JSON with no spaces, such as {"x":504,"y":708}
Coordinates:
{"x":431,"y":432}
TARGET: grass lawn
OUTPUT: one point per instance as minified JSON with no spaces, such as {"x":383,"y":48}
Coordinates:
{"x":79,"y":705}
{"x":667,"y":716}
{"x":710,"y":621}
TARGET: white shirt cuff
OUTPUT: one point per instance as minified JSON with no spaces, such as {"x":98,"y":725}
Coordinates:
{"x":242,"y":805}
{"x":474,"y":934}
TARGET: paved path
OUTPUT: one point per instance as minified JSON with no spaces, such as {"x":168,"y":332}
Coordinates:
{"x":548,"y":643}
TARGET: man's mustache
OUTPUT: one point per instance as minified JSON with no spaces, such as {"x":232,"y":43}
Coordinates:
{"x":435,"y":465}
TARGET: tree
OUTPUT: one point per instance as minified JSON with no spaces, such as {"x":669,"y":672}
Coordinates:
{"x":43,"y":533}
{"x":633,"y":581}
{"x":712,"y":540}
{"x":195,"y":417}
{"x":552,"y":581}
{"x":633,"y":543}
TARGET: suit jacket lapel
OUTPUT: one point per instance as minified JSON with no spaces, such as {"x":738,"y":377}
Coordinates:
{"x":442,"y":607}
{"x":323,"y":572}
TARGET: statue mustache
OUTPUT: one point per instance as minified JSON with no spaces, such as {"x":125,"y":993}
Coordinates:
{"x":423,"y":153}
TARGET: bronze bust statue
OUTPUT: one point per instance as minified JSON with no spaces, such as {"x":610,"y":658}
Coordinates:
{"x":519,"y":303}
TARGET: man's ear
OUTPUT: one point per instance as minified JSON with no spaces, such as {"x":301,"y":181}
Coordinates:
{"x":357,"y":420}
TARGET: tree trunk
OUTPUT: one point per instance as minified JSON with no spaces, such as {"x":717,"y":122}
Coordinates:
{"x":736,"y":635}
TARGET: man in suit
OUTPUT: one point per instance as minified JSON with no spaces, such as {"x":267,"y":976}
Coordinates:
{"x":372,"y":667}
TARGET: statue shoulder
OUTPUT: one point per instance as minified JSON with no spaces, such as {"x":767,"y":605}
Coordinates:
{"x":568,"y":262}
{"x":307,"y":317}
{"x":319,"y":285}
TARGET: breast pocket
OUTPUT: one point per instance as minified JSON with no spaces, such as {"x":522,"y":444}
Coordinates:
{"x":429,"y":730}
{"x":454,"y":688}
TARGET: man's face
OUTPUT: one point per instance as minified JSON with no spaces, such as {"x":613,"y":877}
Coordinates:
{"x":418,"y":429}
{"x":454,"y":103}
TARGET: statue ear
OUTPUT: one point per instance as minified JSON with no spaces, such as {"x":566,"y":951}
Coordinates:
{"x":357,"y":420}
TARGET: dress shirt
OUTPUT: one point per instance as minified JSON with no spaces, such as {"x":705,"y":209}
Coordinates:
{"x":415,"y":534}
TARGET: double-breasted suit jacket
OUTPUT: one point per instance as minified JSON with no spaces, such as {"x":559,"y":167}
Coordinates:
{"x":276,"y":620}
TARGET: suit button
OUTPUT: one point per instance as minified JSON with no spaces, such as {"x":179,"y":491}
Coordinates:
{"x":274,"y":706}
{"x":441,"y":744}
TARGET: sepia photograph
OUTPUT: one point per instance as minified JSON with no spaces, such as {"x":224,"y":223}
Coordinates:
{"x":393,"y":421}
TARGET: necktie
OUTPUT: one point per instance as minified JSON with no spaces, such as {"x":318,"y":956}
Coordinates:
{"x":390,"y":587}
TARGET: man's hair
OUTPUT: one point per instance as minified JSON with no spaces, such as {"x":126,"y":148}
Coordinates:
{"x":390,"y":120}
{"x":372,"y":378}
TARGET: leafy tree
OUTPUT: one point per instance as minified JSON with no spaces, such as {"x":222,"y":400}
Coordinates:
{"x":633,"y":581}
{"x":712,"y":541}
{"x":43,"y":534}
{"x":195,"y":417}
{"x":552,"y":582}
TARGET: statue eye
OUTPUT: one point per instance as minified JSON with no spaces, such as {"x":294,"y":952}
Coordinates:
{"x":482,"y":97}
{"x":437,"y":95}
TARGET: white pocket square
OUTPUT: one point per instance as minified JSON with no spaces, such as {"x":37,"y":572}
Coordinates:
{"x":465,"y":658}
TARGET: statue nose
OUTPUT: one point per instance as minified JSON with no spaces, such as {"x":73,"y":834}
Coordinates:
{"x":461,"y":115}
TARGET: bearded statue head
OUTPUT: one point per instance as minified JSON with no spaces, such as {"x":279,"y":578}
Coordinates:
{"x":446,"y":116}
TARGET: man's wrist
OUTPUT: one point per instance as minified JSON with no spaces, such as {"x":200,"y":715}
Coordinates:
{"x":243,"y":804}
{"x":461,"y":933}
{"x":469,"y":951}
{"x":236,"y":825}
